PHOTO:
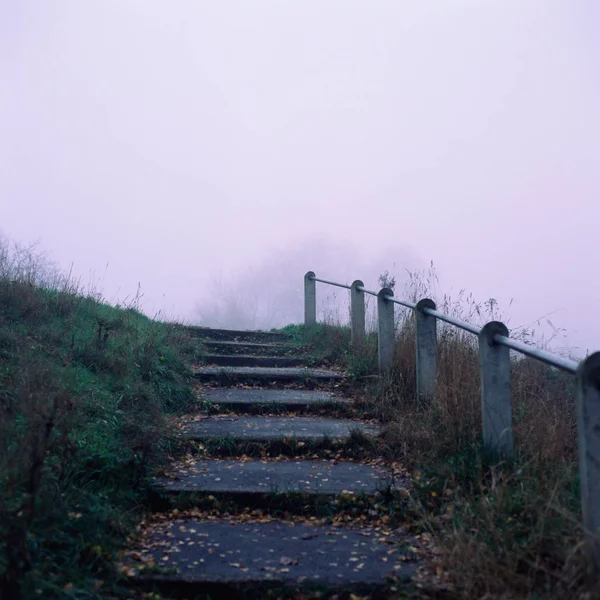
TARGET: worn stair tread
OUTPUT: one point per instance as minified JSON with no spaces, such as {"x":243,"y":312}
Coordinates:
{"x":285,"y":398}
{"x":235,"y":346}
{"x":320,"y":477}
{"x":273,"y":428}
{"x":237,"y":335}
{"x":248,"y":360}
{"x":279,"y":552}
{"x":282,"y":373}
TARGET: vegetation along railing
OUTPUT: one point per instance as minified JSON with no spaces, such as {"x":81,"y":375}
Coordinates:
{"x":494,"y":359}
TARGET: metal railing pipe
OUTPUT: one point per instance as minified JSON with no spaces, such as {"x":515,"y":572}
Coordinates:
{"x":341,"y":285}
{"x":401,"y":302}
{"x":551,"y":359}
{"x":456,"y":322}
{"x":366,"y":291}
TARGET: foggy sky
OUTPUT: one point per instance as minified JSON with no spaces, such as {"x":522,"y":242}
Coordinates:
{"x":183,"y":144}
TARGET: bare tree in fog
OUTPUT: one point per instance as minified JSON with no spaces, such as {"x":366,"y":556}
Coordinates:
{"x":272,"y":294}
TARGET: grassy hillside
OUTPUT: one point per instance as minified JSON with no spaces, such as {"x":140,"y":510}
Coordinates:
{"x":84,"y":390}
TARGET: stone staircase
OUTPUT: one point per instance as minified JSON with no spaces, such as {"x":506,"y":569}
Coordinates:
{"x":262,"y":506}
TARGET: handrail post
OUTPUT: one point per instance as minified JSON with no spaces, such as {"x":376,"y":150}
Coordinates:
{"x":386,"y":329}
{"x":588,"y":430}
{"x":357,"y":312}
{"x":426,"y":348}
{"x":496,"y":407}
{"x":310,"y":300}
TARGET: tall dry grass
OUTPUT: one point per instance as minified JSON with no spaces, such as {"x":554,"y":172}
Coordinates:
{"x":504,"y":530}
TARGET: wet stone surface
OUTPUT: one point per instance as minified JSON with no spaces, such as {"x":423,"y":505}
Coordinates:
{"x":277,"y":551}
{"x":275,"y":374}
{"x":231,"y":335}
{"x":272,"y":428}
{"x":244,"y":360}
{"x":222,"y":551}
{"x":255,"y":349}
{"x":283,"y":397}
{"x":263,"y":477}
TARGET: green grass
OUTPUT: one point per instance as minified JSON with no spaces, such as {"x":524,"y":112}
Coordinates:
{"x":84,"y":390}
{"x":331,"y":344}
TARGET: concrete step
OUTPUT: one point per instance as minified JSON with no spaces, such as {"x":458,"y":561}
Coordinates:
{"x":248,"y":477}
{"x":255,"y":349}
{"x":243,"y":360}
{"x":265,"y":374}
{"x":288,"y":399}
{"x":254,"y":555}
{"x":264,"y":429}
{"x":232,"y":335}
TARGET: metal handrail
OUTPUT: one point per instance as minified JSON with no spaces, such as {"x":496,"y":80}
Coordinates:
{"x":342,"y":285}
{"x":546,"y":357}
{"x":401,"y":302}
{"x":448,"y":319}
{"x":360,"y":288}
{"x":495,"y":377}
{"x":551,"y":359}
